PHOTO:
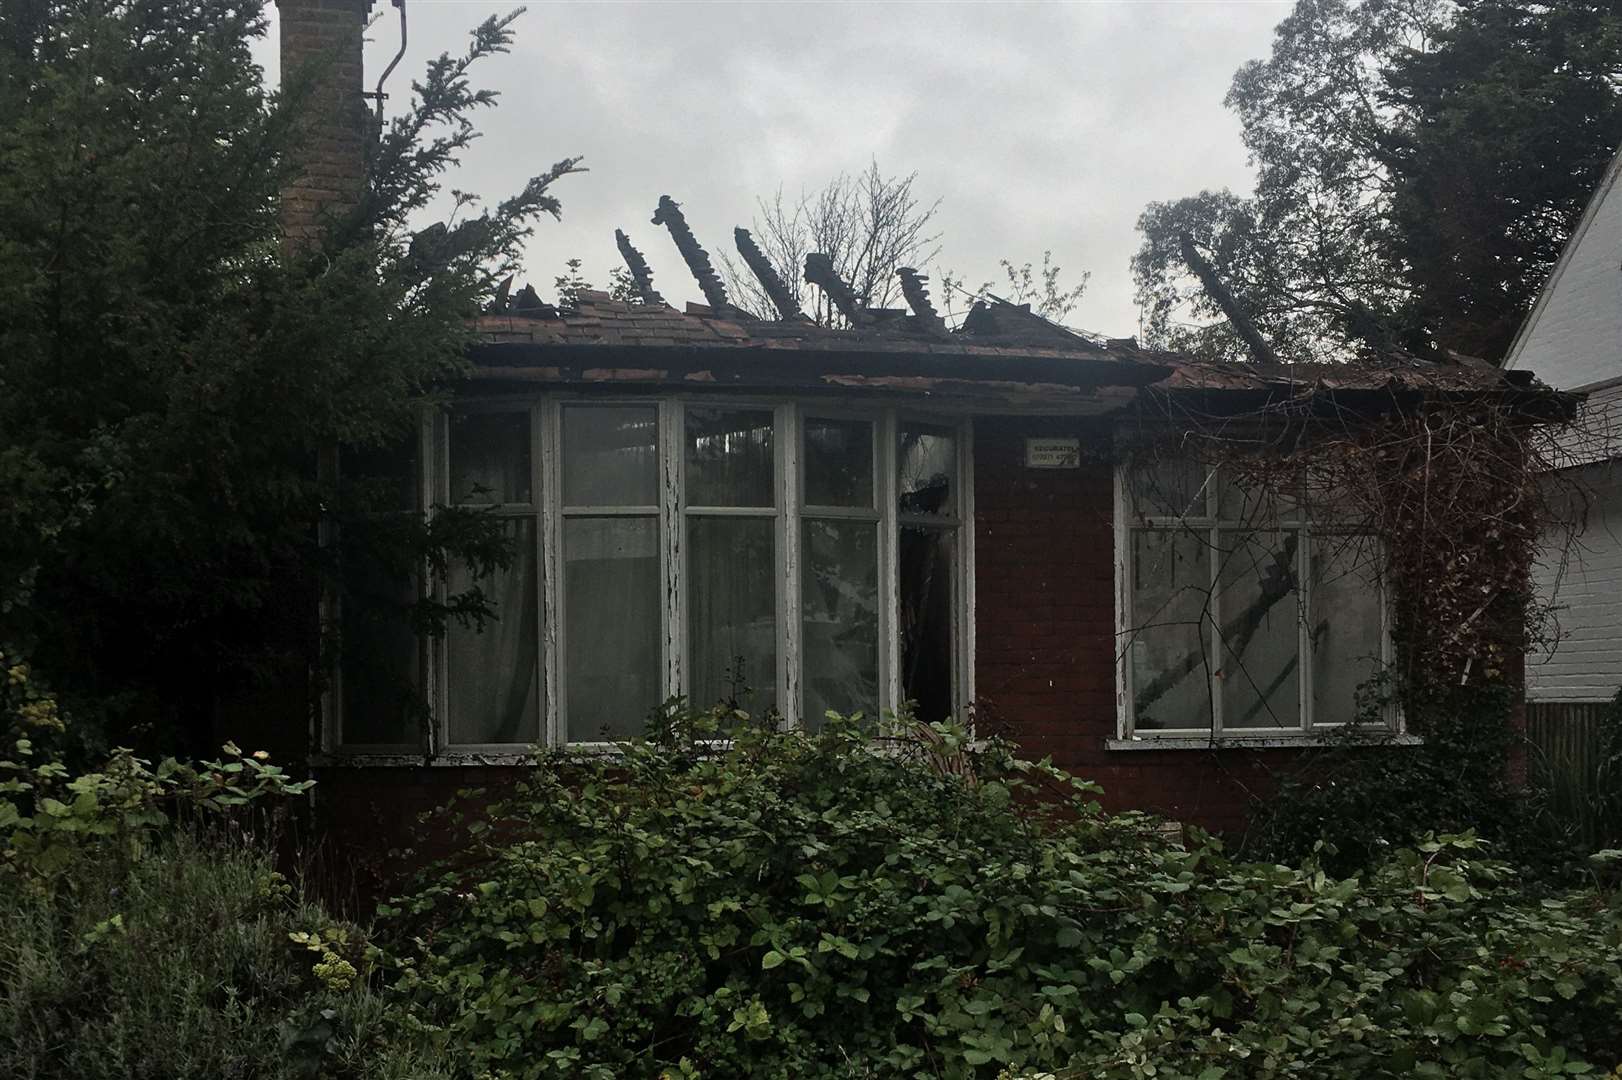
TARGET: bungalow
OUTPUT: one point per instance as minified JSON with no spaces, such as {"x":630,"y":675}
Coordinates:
{"x":1148,"y":567}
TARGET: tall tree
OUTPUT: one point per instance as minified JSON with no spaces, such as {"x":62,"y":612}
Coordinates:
{"x":170,"y":369}
{"x":867,"y":224}
{"x":1419,"y":164}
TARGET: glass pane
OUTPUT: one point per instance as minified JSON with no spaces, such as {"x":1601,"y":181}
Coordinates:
{"x":926,"y":467}
{"x":839,"y":598}
{"x":382,"y":677}
{"x":489,"y":455}
{"x":611,"y":626}
{"x":1258,"y":611}
{"x":838,"y":462}
{"x":732,"y":612}
{"x":1346,"y":632}
{"x":1256,"y":497}
{"x":1174,"y":487}
{"x":493,"y":672}
{"x":380,"y":479}
{"x":729,"y":457}
{"x":1167,"y":650}
{"x":610,"y":455}
{"x":927,"y":557}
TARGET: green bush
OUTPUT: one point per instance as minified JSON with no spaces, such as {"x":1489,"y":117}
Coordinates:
{"x":1354,"y":804}
{"x":178,"y":961}
{"x":143,"y":935}
{"x":785,"y":905}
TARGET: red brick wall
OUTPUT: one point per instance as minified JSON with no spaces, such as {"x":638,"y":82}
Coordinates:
{"x":321,"y":40}
{"x":1045,"y":631}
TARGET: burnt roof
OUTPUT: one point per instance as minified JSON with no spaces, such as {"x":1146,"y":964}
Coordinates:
{"x":1002,"y":351}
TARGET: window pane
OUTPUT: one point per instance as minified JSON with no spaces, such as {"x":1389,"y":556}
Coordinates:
{"x":926,"y":464}
{"x":382,"y":678}
{"x":489,"y":455}
{"x":732,"y":611}
{"x":927,"y":558}
{"x":1346,"y":632}
{"x":1174,"y":487}
{"x":838,"y":462}
{"x":1256,"y":498}
{"x":729,"y":457}
{"x":610,"y":455}
{"x":493,"y":672}
{"x":1170,"y":669}
{"x":1257,"y":605}
{"x":611,"y":625}
{"x":840,"y":618}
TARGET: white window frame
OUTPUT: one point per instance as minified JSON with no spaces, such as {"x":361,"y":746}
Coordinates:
{"x":549,"y":513}
{"x":1211,"y":524}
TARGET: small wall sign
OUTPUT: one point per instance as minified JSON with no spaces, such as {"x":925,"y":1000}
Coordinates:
{"x":1053,"y":453}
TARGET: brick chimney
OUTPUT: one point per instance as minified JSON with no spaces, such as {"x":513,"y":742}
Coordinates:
{"x":326,"y":36}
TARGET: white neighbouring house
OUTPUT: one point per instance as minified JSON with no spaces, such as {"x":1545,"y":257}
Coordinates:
{"x":1573,"y":340}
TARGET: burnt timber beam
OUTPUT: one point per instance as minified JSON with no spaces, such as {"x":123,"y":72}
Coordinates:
{"x":783,"y":298}
{"x":819,"y":271}
{"x":915,"y":287}
{"x":638,"y":266}
{"x":698,"y":260}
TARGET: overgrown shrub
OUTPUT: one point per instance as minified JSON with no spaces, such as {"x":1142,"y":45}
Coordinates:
{"x":792,"y":905}
{"x":142,"y":934}
{"x":1353,"y":804}
{"x":179,"y":963}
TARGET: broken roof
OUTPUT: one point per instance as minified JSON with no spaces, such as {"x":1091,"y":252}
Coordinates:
{"x":1002,"y":350}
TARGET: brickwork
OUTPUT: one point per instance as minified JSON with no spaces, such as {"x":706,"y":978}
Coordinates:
{"x":321,"y":41}
{"x":1045,"y":632}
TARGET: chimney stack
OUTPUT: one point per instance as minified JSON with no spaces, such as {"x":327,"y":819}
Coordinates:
{"x":325,"y":36}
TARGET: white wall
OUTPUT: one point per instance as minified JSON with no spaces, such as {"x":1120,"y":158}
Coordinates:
{"x":1573,"y":337}
{"x":1585,"y":662}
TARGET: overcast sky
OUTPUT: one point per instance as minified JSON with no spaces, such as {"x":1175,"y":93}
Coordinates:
{"x":1039,"y":126}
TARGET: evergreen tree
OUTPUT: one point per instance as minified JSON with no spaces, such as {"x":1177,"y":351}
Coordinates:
{"x":171,"y":370}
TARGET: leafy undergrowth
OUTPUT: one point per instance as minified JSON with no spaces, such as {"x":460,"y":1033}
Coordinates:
{"x":176,"y":958}
{"x":784,"y":905}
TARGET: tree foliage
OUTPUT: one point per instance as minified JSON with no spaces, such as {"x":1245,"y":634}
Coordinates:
{"x":1419,"y":164}
{"x":170,"y":369}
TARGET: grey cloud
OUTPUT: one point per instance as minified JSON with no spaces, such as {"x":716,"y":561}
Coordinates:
{"x":1042,"y":126}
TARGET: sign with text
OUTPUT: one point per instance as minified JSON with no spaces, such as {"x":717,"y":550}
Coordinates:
{"x":1052,"y":453}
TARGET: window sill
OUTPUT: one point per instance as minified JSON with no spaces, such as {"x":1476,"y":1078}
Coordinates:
{"x":1260,"y":742}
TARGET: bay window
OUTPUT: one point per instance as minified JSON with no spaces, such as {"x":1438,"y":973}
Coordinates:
{"x":769,"y":555}
{"x":1244,"y":613}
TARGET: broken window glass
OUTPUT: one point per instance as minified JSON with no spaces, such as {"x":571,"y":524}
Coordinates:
{"x":839,"y":597}
{"x":612,"y":625}
{"x":838,"y":460}
{"x":926,"y":467}
{"x":1167,"y":650}
{"x":489,"y":458}
{"x":927,"y":560}
{"x":729,"y":457}
{"x":1173,"y":487}
{"x":1258,"y":616}
{"x":732,"y":612}
{"x":493,"y":682}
